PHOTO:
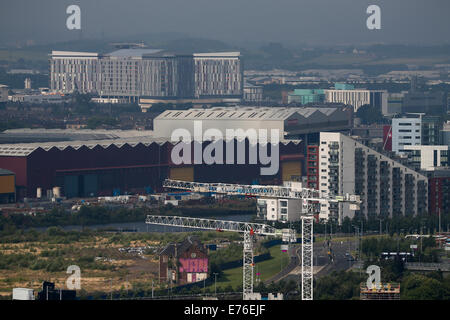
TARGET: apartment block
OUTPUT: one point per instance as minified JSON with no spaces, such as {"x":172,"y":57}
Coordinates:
{"x":415,"y":129}
{"x":283,"y":210}
{"x":406,"y":132}
{"x":427,"y":157}
{"x":386,"y":187}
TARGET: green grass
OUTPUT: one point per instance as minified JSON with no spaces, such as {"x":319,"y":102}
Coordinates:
{"x":267,"y":269}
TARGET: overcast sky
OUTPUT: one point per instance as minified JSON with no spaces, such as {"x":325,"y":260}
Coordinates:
{"x":234,"y":21}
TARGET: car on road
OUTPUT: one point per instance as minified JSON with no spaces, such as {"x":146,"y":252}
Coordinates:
{"x":349,"y":257}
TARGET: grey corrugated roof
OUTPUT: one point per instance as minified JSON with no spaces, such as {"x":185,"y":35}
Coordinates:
{"x":242,"y":113}
{"x":21,"y":136}
{"x":25,"y":149}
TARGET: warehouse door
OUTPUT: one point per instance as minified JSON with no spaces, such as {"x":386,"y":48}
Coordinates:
{"x":90,"y":185}
{"x":183,"y":173}
{"x":71,"y":186}
{"x":291,"y":171}
{"x":7,"y":184}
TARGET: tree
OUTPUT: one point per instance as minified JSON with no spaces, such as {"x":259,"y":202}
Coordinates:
{"x":420,"y":287}
{"x":369,"y":114}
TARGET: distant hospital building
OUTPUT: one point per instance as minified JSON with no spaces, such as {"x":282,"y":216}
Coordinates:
{"x":149,"y":76}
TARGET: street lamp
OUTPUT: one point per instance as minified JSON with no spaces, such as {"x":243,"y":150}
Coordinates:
{"x":215,"y":283}
{"x":359,"y":246}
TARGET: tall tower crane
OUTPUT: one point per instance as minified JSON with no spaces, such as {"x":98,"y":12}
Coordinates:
{"x":311,"y":199}
{"x":247,"y":228}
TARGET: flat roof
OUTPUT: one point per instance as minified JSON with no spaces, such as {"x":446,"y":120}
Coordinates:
{"x":133,"y":53}
{"x":56,"y":53}
{"x":137,"y":53}
{"x":217,"y":54}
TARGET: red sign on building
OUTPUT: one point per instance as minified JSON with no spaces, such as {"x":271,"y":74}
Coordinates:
{"x":193,"y":265}
{"x":387,"y":138}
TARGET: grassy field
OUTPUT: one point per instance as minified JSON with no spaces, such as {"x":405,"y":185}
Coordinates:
{"x":267,"y":269}
{"x":96,"y":272}
{"x":27,"y":263}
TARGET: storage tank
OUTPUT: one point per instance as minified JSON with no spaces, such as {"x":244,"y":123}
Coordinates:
{"x":57,"y":192}
{"x":23,"y":294}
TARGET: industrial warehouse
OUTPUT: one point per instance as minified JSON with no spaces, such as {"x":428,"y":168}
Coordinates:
{"x":138,"y":162}
{"x":122,"y":166}
{"x":291,"y":123}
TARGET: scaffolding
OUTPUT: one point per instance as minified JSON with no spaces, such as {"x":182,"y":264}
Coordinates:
{"x":385,"y":291}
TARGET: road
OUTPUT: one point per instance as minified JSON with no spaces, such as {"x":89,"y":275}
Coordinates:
{"x":294,"y":261}
{"x":322,"y":263}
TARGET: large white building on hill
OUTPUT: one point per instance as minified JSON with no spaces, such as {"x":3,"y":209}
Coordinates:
{"x":151,"y":74}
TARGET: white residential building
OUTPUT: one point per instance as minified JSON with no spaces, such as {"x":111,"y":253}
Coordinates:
{"x":386,"y":187}
{"x":428,"y":157}
{"x":406,"y":132}
{"x":3,"y":93}
{"x":358,"y":97}
{"x":283,"y":210}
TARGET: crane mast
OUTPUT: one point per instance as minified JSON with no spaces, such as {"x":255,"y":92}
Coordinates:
{"x":311,"y":199}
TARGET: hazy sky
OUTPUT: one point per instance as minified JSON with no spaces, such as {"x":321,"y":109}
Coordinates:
{"x":238,"y":21}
